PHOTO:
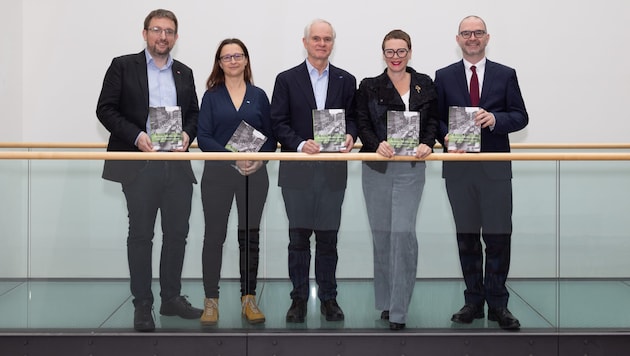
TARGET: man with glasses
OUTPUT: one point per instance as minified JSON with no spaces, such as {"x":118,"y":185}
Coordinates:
{"x":313,"y":192}
{"x":134,"y":83}
{"x":480,"y":193}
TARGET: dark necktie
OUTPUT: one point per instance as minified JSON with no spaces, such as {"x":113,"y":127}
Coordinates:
{"x":474,"y":87}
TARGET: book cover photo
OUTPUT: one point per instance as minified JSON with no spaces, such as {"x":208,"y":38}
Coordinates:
{"x":329,"y":129}
{"x":403,"y":132}
{"x":165,"y":125}
{"x":463,"y":134}
{"x":246,"y":139}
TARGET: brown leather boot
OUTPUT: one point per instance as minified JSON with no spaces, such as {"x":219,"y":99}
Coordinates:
{"x":210,"y":314}
{"x":251,"y":311}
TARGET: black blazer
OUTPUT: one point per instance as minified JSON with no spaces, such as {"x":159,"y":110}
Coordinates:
{"x":292,"y":104}
{"x":123,"y":108}
{"x":378,"y":95}
{"x":501,"y":95}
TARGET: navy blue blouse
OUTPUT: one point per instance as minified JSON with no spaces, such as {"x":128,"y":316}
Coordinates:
{"x":218,"y":118}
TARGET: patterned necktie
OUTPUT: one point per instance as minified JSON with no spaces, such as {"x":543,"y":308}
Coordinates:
{"x":474,"y":87}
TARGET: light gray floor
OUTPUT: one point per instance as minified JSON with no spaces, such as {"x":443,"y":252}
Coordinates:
{"x":104,"y":304}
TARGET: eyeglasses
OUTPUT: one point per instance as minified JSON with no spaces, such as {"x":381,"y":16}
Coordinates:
{"x":478,"y":34}
{"x":401,"y":52}
{"x":228,"y":57}
{"x":169,"y":32}
{"x":326,"y":39}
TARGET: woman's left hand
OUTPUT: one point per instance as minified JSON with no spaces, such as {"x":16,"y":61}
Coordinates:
{"x":423,"y":151}
{"x":248,"y":167}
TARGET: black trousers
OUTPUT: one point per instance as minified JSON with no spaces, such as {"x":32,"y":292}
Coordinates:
{"x":163,"y":186}
{"x":220,"y":185}
{"x":482,"y":209}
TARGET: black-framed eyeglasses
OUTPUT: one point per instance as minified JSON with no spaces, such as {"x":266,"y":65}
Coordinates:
{"x":228,"y":57}
{"x":169,"y":32}
{"x":478,"y":34}
{"x":401,"y":52}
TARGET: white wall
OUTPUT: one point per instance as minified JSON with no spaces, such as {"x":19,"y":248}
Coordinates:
{"x":56,"y":52}
{"x":570,"y":55}
{"x":11,"y":73}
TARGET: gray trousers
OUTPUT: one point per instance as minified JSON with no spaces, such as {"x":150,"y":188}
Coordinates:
{"x":392,"y":200}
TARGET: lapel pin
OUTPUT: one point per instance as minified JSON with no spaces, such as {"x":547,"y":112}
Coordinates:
{"x":418,"y":88}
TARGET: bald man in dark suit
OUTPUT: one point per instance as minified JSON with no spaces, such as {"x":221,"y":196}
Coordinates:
{"x":480,"y":192}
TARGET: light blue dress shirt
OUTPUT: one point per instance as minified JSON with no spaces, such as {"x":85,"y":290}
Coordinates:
{"x":320,"y":88}
{"x":162,"y":90}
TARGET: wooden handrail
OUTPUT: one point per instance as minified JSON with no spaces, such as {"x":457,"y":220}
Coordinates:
{"x":94,"y":145}
{"x":287,"y":156}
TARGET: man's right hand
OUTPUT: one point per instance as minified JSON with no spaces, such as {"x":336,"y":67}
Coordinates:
{"x":144,"y":143}
{"x":311,"y":147}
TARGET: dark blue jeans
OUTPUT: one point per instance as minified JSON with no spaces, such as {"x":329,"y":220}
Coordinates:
{"x":316,"y":210}
{"x":162,"y":186}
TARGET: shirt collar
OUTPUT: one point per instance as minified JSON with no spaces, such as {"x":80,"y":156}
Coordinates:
{"x":481,"y":65}
{"x":169,"y":61}
{"x":310,"y":68}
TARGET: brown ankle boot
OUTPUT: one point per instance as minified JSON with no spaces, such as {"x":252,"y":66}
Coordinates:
{"x":251,"y":311}
{"x":210,"y":314}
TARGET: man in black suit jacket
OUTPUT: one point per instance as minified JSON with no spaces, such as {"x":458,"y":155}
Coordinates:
{"x":313,"y":192}
{"x":480,"y":193}
{"x":132,"y":84}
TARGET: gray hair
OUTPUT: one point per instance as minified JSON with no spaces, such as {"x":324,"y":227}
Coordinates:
{"x":472,"y":17}
{"x":307,"y":29}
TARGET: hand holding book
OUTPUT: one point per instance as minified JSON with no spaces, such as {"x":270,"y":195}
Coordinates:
{"x":485,"y":119}
{"x":385,"y":149}
{"x":246,"y":139}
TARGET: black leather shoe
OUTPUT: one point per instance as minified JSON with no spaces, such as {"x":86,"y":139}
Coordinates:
{"x":467,"y":314}
{"x":332,"y":310}
{"x":143,"y":317}
{"x":396,"y":326}
{"x":179,"y":306}
{"x":297,"y":311}
{"x":385,"y":315}
{"x":505,"y":319}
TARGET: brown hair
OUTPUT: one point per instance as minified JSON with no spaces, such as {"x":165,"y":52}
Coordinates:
{"x":397,"y":35}
{"x":217,"y":76}
{"x":160,"y":13}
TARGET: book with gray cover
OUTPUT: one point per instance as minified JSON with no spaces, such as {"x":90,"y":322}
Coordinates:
{"x":403,"y":131}
{"x":165,"y":126}
{"x":246,"y":139}
{"x":463,"y":134}
{"x":329,"y":129}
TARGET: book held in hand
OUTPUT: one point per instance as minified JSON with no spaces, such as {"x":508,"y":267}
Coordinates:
{"x":403,"y":132}
{"x":246,"y":139}
{"x":329,"y":129}
{"x":463,"y":134}
{"x":165,"y":125}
